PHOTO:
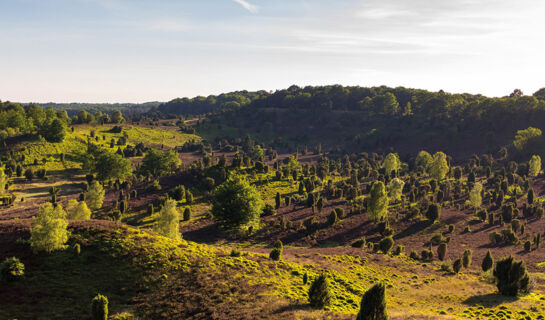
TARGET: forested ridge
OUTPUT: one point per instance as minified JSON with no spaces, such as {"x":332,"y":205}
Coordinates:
{"x":365,"y":119}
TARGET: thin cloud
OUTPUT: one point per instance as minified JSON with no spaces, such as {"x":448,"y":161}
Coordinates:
{"x":248,"y":6}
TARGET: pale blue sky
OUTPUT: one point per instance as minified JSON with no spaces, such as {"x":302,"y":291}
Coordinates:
{"x":143,"y":50}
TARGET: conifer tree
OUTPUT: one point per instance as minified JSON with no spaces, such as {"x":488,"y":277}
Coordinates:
{"x":319,"y":293}
{"x":99,"y":308}
{"x":95,"y":196}
{"x":377,"y":205}
{"x":373,"y":304}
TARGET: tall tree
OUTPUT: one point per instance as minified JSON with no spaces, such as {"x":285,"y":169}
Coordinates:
{"x":167,"y":221}
{"x":49,"y":230}
{"x":158,"y":163}
{"x":391,"y":163}
{"x":95,"y":196}
{"x":377,"y":203}
{"x":475,"y":197}
{"x":439,"y":166}
{"x":534,"y":166}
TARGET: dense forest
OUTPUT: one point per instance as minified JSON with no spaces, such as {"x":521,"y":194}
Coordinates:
{"x":351,"y":119}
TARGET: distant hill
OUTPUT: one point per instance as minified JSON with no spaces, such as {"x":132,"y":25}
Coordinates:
{"x":358,"y":119}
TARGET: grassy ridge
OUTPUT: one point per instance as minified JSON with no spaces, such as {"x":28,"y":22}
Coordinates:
{"x":132,"y":266}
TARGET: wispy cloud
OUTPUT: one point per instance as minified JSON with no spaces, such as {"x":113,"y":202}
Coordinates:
{"x":248,"y":6}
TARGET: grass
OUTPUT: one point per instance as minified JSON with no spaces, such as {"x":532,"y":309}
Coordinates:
{"x":132,"y":267}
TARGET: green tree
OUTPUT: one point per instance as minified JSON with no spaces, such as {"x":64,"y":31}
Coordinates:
{"x":373,"y":304}
{"x":475,"y":197}
{"x":3,"y":181}
{"x":107,"y":165}
{"x":319,"y":293}
{"x":95,"y":195}
{"x":439,"y":166}
{"x":167,"y":220}
{"x":423,"y":159}
{"x":157,"y":163}
{"x":11,"y":269}
{"x":77,"y":210}
{"x":117,"y":117}
{"x":55,"y":131}
{"x":236,"y":203}
{"x":377,"y":203}
{"x":391,"y":163}
{"x":99,"y":308}
{"x":395,"y":189}
{"x":511,"y":276}
{"x":49,"y":230}
{"x":112,"y":166}
{"x":534,"y":166}
{"x":525,"y":137}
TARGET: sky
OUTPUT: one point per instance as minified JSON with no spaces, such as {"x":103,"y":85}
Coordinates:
{"x":157,"y":50}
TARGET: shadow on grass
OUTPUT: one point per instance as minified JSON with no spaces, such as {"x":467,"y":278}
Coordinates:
{"x":489,"y":300}
{"x":293,"y":307}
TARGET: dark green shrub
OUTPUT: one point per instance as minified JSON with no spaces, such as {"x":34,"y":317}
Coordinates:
{"x":531,"y":196}
{"x":488,"y":262}
{"x":434,"y":212}
{"x":275,"y":254}
{"x":373,"y":304}
{"x":507,"y":213}
{"x":511,"y":277}
{"x":150,"y":209}
{"x":319,"y":293}
{"x":11,"y":269}
{"x":177,"y":193}
{"x":442,"y":251}
{"x":235,"y":253}
{"x":99,"y":308}
{"x":457,"y":265}
{"x":187,"y":214}
{"x":399,"y":250}
{"x":359,"y":243}
{"x":268,"y":210}
{"x":29,"y":174}
{"x":413,"y":255}
{"x":154,"y":186}
{"x":386,"y":244}
{"x":528,"y":246}
{"x":332,"y":218}
{"x":515,"y":225}
{"x":340,"y":213}
{"x":467,"y":258}
{"x":77,"y":249}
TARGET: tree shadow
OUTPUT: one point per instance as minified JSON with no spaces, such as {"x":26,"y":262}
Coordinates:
{"x":414,"y":228}
{"x":489,"y":300}
{"x":292,"y":307}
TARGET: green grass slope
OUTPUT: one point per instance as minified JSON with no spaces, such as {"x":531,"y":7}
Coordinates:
{"x":146,"y":276}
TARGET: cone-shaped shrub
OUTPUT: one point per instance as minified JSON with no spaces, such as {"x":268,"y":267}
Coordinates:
{"x":373,"y":304}
{"x":488,"y":262}
{"x":319,"y":293}
{"x":99,"y":307}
